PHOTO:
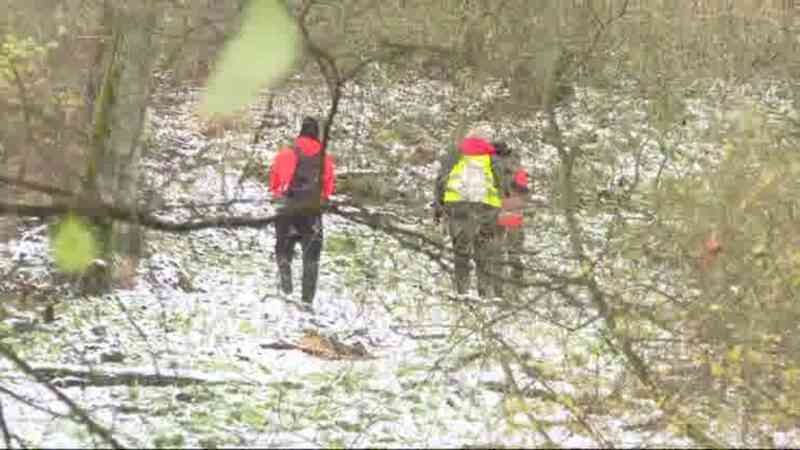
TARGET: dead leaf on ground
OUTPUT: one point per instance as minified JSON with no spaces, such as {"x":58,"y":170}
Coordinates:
{"x":326,"y":347}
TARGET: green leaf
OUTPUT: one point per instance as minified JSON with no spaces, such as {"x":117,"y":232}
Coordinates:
{"x":336,"y":443}
{"x":73,"y":245}
{"x":253,"y":416}
{"x":168,"y":440}
{"x":259,"y":55}
{"x":735,"y":354}
{"x":246,"y":327}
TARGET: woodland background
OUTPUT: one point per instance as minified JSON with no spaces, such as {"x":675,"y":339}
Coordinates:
{"x":650,"y":128}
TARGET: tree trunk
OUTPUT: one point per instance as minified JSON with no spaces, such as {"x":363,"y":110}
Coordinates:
{"x":119,"y":114}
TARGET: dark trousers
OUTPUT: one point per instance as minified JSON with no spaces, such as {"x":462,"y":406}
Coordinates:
{"x":476,"y":237}
{"x":307,"y":230}
{"x":513,"y":248}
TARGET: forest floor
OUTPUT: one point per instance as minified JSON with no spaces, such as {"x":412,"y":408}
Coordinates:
{"x":382,"y":359}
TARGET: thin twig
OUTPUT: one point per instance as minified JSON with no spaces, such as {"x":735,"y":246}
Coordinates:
{"x":4,"y":426}
{"x":141,"y":333}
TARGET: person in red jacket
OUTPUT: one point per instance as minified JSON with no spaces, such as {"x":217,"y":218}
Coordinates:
{"x":294,"y":179}
{"x":511,"y":214}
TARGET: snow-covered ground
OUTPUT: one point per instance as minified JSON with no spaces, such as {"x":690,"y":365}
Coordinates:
{"x":208,"y":300}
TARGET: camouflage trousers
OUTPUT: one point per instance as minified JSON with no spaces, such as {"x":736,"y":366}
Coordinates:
{"x":476,"y":238}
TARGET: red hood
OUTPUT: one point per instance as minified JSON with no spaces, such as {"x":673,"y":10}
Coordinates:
{"x":309,"y":146}
{"x":521,"y":178}
{"x":475,"y":146}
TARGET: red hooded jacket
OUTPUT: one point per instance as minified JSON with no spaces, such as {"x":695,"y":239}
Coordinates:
{"x":282,"y":170}
{"x":476,"y":146}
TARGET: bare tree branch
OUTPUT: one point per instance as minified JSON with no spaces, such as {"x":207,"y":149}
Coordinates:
{"x":36,"y":187}
{"x":31,"y":403}
{"x":142,"y":218}
{"x":82,"y":416}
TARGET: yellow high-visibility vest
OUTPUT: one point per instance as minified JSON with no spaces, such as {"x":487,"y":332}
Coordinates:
{"x":478,"y":186}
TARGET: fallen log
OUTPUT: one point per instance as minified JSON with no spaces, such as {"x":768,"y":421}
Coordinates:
{"x":69,"y":376}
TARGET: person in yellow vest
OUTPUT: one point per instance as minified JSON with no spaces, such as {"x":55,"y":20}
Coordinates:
{"x":469,"y":192}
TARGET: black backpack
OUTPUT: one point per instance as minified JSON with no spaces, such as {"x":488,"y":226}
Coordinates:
{"x":305,"y":182}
